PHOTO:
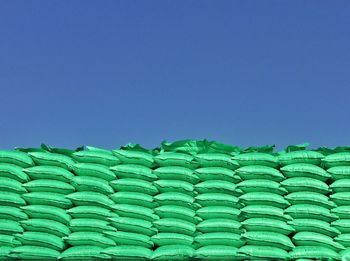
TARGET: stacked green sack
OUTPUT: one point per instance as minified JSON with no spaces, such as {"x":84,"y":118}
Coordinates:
{"x":266,"y":228}
{"x":219,"y":232}
{"x":91,"y":206}
{"x":308,"y":194}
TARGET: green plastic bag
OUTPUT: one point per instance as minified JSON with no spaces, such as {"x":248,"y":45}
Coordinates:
{"x":219,"y":238}
{"x":305,"y":170}
{"x":34,"y":253}
{"x":134,"y":185}
{"x":262,"y":252}
{"x":301,"y":156}
{"x":89,"y":238}
{"x":49,"y":172}
{"x":51,"y":159}
{"x":340,"y":172}
{"x":134,"y":157}
{"x":174,"y":225}
{"x":316,"y":239}
{"x":93,"y":170}
{"x":264,"y":198}
{"x":342,"y":211}
{"x":173,"y":252}
{"x":88,"y":252}
{"x":133,"y":171}
{"x":134,"y":211}
{"x":340,"y":185}
{"x":307,"y":211}
{"x":261,"y":185}
{"x":305,"y":184}
{"x":313,"y":198}
{"x":216,"y":160}
{"x":218,"y":199}
{"x":9,"y":241}
{"x":256,"y":158}
{"x":133,"y":198}
{"x":315,"y":252}
{"x":314,"y":225}
{"x":217,"y":186}
{"x":166,"y":159}
{"x":133,"y":225}
{"x":90,"y":224}
{"x":46,"y":226}
{"x":259,"y":172}
{"x":175,"y":186}
{"x":219,"y":212}
{"x":217,"y":173}
{"x":261,"y":238}
{"x":128,"y":238}
{"x":268,"y":225}
{"x":47,"y":212}
{"x":10,"y":227}
{"x":179,"y":212}
{"x":219,"y":225}
{"x":48,"y":185}
{"x":337,"y":159}
{"x":176,"y":198}
{"x":163,"y":239}
{"x":88,"y":183}
{"x":264,"y":211}
{"x":341,"y":198}
{"x":343,"y":225}
{"x":176,"y":173}
{"x":216,"y":252}
{"x":15,"y":157}
{"x":11,"y":199}
{"x":12,"y":213}
{"x":97,"y":157}
{"x":47,"y":198}
{"x":4,"y":252}
{"x":90,"y":198}
{"x":91,"y":212}
{"x":128,"y":253}
{"x":13,"y":172}
{"x":343,"y":239}
{"x":11,"y":185}
{"x":41,"y":240}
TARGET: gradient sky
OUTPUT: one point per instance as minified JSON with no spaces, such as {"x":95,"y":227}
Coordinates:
{"x":105,"y":73}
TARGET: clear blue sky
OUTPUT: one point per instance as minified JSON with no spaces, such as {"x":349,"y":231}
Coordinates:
{"x":106,"y":73}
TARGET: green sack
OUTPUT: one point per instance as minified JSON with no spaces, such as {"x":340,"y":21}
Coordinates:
{"x":13,"y":172}
{"x":262,"y":252}
{"x":340,"y":172}
{"x":163,"y":239}
{"x":133,"y":198}
{"x":313,"y":198}
{"x":217,"y":173}
{"x":175,"y":186}
{"x":173,"y":252}
{"x":268,"y":225}
{"x":218,"y":199}
{"x":48,"y":185}
{"x":343,"y":239}
{"x":47,"y":212}
{"x":134,"y":185}
{"x":217,"y":186}
{"x":11,"y":199}
{"x":134,"y":157}
{"x":259,"y":172}
{"x":47,"y":198}
{"x":134,"y":211}
{"x":220,"y":238}
{"x":34,"y":253}
{"x":10,"y":227}
{"x":52,"y":159}
{"x":341,"y":198}
{"x":216,"y":160}
{"x":128,"y":252}
{"x":133,"y":225}
{"x":133,"y":171}
{"x":343,"y":225}
{"x":261,"y":238}
{"x":314,"y":225}
{"x":176,"y":173}
{"x":179,"y":212}
{"x":315,"y":252}
{"x":90,"y":225}
{"x":96,"y":157}
{"x":174,"y":225}
{"x":11,"y":185}
{"x":166,"y":159}
{"x":264,"y":198}
{"x":219,"y":212}
{"x":91,"y":212}
{"x":128,"y":238}
{"x":219,"y":225}
{"x":12,"y":213}
{"x":263,"y":211}
{"x":256,"y":158}
{"x":305,"y":184}
{"x":175,"y":198}
{"x":216,"y":252}
{"x":88,"y":252}
{"x":337,"y":159}
{"x":46,"y":226}
{"x":308,"y":211}
{"x":305,"y":170}
{"x":301,"y":156}
{"x":340,"y":185}
{"x":93,"y":170}
{"x":4,"y":252}
{"x":89,"y":198}
{"x":88,"y":183}
{"x":9,"y":241}
{"x":342,"y":211}
{"x":316,"y":239}
{"x":88,"y":238}
{"x":261,"y":185}
{"x":15,"y":157}
{"x":49,"y":172}
{"x":41,"y":240}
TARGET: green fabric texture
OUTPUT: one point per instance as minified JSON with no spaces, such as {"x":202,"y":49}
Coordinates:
{"x":128,"y":252}
{"x":47,"y":185}
{"x":216,"y":252}
{"x":217,"y":173}
{"x":316,"y":239}
{"x":49,"y":172}
{"x":134,"y":157}
{"x":14,"y":157}
{"x":163,"y":239}
{"x":314,"y":225}
{"x":93,"y":170}
{"x":134,"y":185}
{"x":13,"y":172}
{"x":95,"y":156}
{"x":87,"y":252}
{"x":91,"y":212}
{"x":256,"y":158}
{"x":52,"y":159}
{"x":259,"y":172}
{"x":34,"y":253}
{"x":261,"y":185}
{"x":133,"y":171}
{"x":272,"y":239}
{"x":11,"y":185}
{"x":220,"y":238}
{"x":316,"y":252}
{"x":216,"y":160}
{"x":263,"y":252}
{"x":89,"y":238}
{"x":41,"y":239}
{"x":173,"y":252}
{"x":129,"y":238}
{"x":88,"y":183}
{"x":46,"y":226}
{"x":47,"y":212}
{"x":176,"y":173}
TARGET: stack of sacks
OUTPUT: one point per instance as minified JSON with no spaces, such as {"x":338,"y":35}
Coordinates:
{"x":176,"y":206}
{"x":47,"y":222}
{"x":91,"y":208}
{"x":219,"y":234}
{"x":310,"y":205}
{"x":266,"y":228}
{"x":134,"y":204}
{"x":338,"y":165}
{"x":11,"y":179}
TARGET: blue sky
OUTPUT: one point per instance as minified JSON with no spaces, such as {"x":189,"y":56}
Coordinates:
{"x":106,"y":73}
